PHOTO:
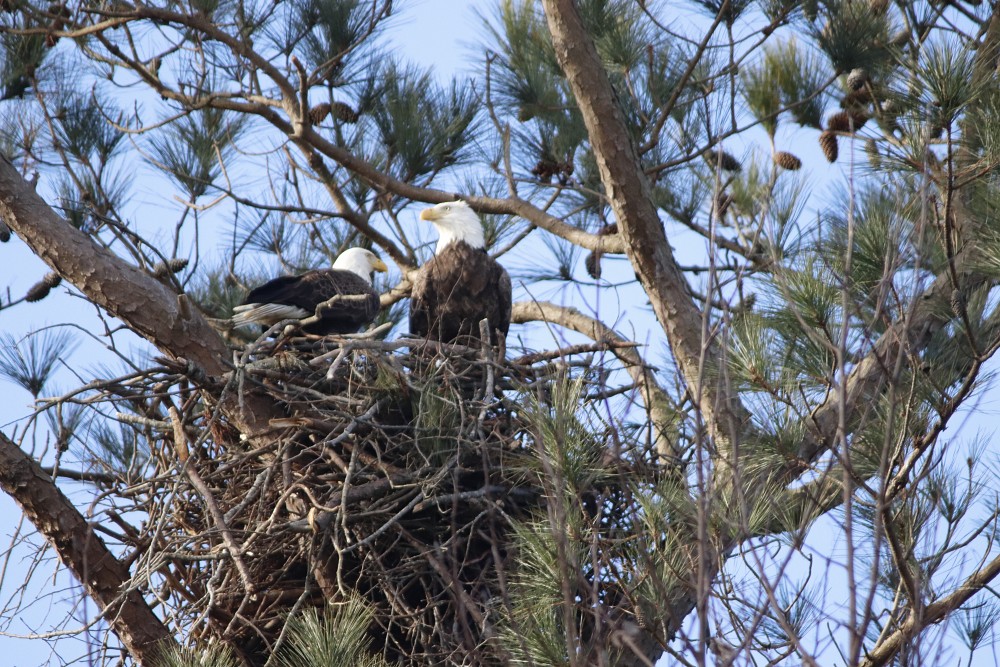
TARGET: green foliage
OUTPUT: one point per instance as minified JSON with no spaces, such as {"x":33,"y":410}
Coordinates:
{"x":21,"y":56}
{"x":336,"y":637}
{"x":65,"y":422}
{"x":786,"y":77}
{"x":194,"y":148}
{"x":422,"y":128}
{"x":730,"y":10}
{"x":946,"y":79}
{"x":216,"y":292}
{"x":781,"y":10}
{"x":754,"y":361}
{"x":977,"y":623}
{"x":854,"y":35}
{"x":31,"y":361}
{"x":806,"y":317}
{"x":326,"y":33}
{"x":85,"y":127}
{"x":536,"y":633}
{"x":880,"y":233}
{"x":527,"y":79}
{"x":563,"y":439}
{"x":117,"y":446}
{"x":620,"y":31}
{"x":87,"y":197}
{"x":217,"y":657}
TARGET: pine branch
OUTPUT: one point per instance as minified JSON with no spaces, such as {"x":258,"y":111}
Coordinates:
{"x":103,"y":576}
{"x":931,"y":614}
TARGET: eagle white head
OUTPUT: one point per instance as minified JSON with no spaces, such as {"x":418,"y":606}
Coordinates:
{"x":360,"y":261}
{"x":455,"y":221}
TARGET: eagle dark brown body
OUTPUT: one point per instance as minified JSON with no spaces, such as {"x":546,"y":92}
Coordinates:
{"x":455,"y":290}
{"x":312,"y":292}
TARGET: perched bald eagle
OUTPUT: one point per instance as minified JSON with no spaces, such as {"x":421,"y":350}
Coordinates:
{"x":462,"y":284}
{"x":342,"y":299}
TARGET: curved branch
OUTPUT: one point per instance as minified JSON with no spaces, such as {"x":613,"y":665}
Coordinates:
{"x":508,"y":206}
{"x":653,"y":395}
{"x":103,"y":576}
{"x":933,"y":613}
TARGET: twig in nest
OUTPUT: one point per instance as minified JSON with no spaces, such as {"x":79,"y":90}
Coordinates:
{"x":180,"y":444}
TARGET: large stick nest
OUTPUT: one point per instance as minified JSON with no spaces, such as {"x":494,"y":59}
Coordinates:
{"x":395,"y":476}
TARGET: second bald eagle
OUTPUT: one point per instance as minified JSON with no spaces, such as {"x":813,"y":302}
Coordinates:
{"x":338,"y":300}
{"x":462,"y":284}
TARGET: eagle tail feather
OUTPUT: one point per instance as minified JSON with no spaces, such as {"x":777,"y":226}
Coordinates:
{"x":266,"y":313}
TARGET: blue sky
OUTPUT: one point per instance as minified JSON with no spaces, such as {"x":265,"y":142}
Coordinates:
{"x":434,"y":33}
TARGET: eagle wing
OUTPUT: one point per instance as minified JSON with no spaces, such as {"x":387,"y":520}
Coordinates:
{"x":423,"y":302}
{"x":351,"y":304}
{"x":342,"y":301}
{"x":505,"y":301}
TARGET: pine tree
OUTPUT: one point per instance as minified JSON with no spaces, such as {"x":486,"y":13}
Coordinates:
{"x":755,"y":251}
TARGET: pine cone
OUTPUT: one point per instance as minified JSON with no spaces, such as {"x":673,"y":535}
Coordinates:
{"x":545,"y":169}
{"x":593,"y":261}
{"x":839,"y":122}
{"x":319,"y":113}
{"x":857,"y":78}
{"x":828,"y":143}
{"x":786,"y":160}
{"x":4,"y":232}
{"x":957,"y":301}
{"x":874,"y":157}
{"x":724,"y":160}
{"x":878,"y":7}
{"x":722,"y":203}
{"x":41,"y":289}
{"x":858,"y":119}
{"x":856,"y":98}
{"x":566,"y":171}
{"x":175,"y":265}
{"x":344,"y":113}
{"x":593,"y":264}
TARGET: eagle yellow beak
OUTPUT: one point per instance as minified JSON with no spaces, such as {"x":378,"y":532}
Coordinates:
{"x":379,"y":265}
{"x":429,"y":214}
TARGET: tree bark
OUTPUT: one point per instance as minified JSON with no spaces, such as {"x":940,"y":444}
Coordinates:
{"x":103,"y":576}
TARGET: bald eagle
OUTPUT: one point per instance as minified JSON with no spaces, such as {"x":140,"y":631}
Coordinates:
{"x":462,"y":284}
{"x":342,"y":299}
